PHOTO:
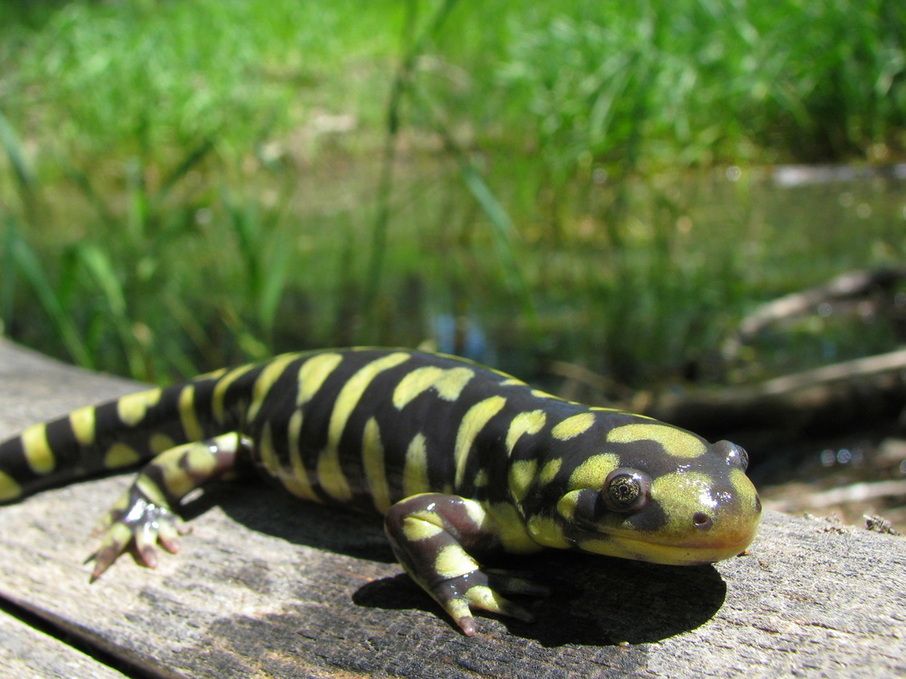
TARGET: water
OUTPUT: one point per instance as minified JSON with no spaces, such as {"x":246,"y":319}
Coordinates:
{"x":644,"y":282}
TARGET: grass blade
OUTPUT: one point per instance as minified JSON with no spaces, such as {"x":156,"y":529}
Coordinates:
{"x":27,"y":263}
{"x":100,"y":268}
{"x":13,"y":147}
{"x":273,"y":286}
{"x":195,"y":156}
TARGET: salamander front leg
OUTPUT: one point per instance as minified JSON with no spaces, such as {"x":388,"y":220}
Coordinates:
{"x":144,"y":516}
{"x":432,"y":534}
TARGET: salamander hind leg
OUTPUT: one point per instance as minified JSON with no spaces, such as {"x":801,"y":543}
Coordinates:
{"x":430,"y":535}
{"x":144,"y":516}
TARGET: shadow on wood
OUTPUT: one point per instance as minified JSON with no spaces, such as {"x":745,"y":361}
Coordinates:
{"x":588,"y":605}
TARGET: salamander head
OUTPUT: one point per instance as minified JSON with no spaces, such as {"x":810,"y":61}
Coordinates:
{"x":657,"y":493}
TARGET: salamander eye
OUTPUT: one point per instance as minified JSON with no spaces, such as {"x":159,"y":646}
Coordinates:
{"x":735,"y":455}
{"x":625,"y":490}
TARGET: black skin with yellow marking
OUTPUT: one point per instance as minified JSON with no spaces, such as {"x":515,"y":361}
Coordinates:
{"x":461,"y":460}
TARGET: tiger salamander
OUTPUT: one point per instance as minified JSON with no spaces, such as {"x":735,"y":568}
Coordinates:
{"x":460,"y":460}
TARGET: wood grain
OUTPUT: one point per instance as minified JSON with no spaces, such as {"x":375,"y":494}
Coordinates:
{"x":267,"y":586}
{"x":26,"y":652}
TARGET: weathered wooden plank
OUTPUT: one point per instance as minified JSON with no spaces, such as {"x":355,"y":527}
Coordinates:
{"x":269,"y":586}
{"x":26,"y":652}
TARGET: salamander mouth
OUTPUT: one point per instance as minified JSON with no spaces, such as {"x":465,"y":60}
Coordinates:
{"x":661,"y":549}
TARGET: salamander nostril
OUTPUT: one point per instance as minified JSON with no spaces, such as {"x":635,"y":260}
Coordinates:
{"x":702,"y":520}
{"x":757,"y":504}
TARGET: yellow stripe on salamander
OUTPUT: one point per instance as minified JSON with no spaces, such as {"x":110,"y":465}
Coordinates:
{"x":415,"y":471}
{"x":675,"y":441}
{"x":187,"y":415}
{"x":509,"y":526}
{"x":417,"y":528}
{"x":132,"y":408}
{"x":158,"y":443}
{"x":549,"y":471}
{"x":220,"y":390}
{"x":529,"y":422}
{"x":546,"y":531}
{"x":268,"y":455}
{"x":473,"y":422}
{"x":447,"y":383}
{"x":592,"y":472}
{"x":313,"y":373}
{"x":270,"y":374}
{"x":37,"y":450}
{"x":82,"y":423}
{"x":573,"y":426}
{"x":9,"y":489}
{"x":453,"y":561}
{"x":297,"y":481}
{"x":373,"y":465}
{"x":521,"y":477}
{"x":120,"y":455}
{"x":330,"y":472}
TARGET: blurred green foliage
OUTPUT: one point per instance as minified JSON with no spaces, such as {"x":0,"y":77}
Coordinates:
{"x":185,"y":185}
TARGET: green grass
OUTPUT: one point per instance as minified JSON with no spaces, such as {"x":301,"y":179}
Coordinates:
{"x":153,"y":78}
{"x":184,"y":185}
